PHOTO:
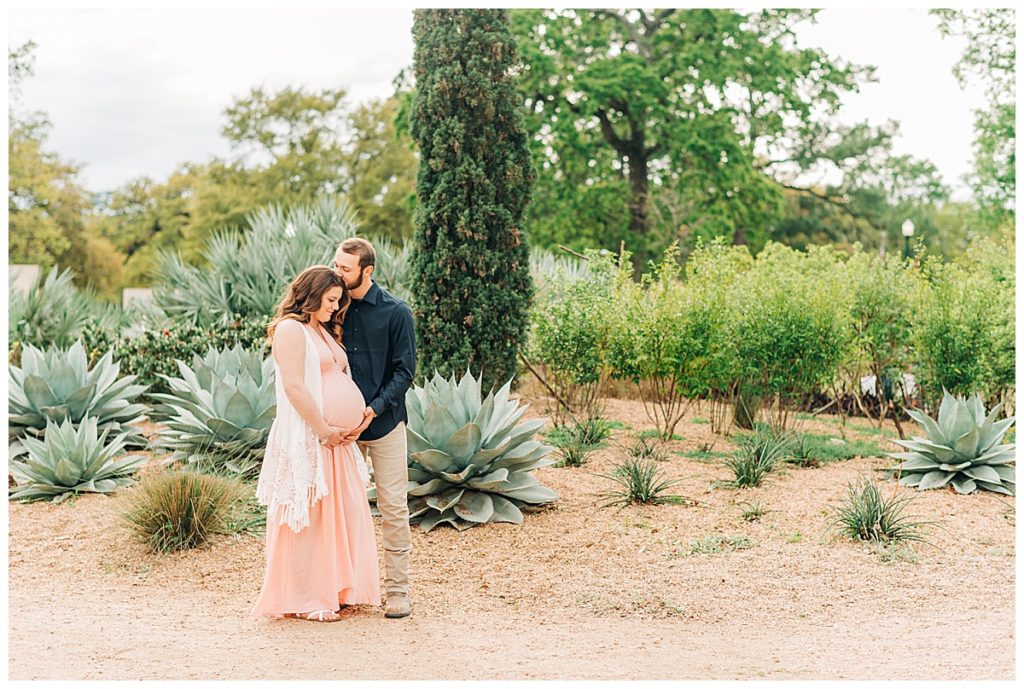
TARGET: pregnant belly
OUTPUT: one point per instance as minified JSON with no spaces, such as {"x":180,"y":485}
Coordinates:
{"x":343,"y":403}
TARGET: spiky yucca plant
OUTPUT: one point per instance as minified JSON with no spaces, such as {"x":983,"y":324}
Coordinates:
{"x":220,"y":409}
{"x":962,"y":449}
{"x":393,"y":270}
{"x":245,"y":274}
{"x":70,"y":460}
{"x":469,"y":461}
{"x":57,"y":384}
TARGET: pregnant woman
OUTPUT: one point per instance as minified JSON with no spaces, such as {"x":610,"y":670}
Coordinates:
{"x":321,"y":549}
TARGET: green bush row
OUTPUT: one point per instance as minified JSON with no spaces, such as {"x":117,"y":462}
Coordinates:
{"x":153,"y":352}
{"x":770,"y":330}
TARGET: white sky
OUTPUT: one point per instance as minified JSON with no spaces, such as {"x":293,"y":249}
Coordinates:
{"x":137,"y":92}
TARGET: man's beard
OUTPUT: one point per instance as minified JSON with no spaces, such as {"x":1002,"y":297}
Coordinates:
{"x":359,"y":284}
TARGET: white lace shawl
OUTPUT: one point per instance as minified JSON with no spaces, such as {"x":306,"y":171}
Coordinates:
{"x":292,"y":476}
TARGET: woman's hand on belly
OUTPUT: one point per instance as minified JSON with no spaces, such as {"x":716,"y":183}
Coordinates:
{"x":335,"y":436}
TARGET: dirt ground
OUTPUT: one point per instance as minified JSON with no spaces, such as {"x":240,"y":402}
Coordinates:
{"x":576,"y":592}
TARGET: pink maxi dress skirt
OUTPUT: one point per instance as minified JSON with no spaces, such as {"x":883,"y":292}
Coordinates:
{"x":333,"y":561}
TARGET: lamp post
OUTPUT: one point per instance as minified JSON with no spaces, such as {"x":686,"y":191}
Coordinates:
{"x":908,"y":232}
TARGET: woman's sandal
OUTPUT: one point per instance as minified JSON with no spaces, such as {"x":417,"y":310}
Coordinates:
{"x":317,"y":616}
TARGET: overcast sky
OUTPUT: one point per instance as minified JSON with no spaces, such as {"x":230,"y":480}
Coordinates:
{"x":136,"y":92}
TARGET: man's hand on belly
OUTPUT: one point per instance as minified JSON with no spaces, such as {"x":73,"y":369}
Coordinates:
{"x":368,"y":416}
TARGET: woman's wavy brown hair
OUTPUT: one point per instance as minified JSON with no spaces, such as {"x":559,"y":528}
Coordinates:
{"x":304,"y":296}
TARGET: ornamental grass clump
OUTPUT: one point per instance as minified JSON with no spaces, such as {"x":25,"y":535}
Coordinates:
{"x":865,"y":515}
{"x":758,"y":454}
{"x":178,"y":510}
{"x":591,"y":431}
{"x":640,"y":481}
{"x":573,"y":453}
{"x":962,"y":448}
{"x":646,"y":448}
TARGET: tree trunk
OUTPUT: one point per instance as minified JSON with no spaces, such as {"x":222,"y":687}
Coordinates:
{"x":638,"y":220}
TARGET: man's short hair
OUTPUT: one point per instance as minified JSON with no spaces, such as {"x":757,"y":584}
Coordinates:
{"x":361,"y":248}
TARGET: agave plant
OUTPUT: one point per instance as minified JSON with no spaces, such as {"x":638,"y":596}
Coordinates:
{"x":469,"y":460}
{"x":70,"y":460}
{"x":962,"y":448}
{"x":220,"y":409}
{"x":246,"y":274}
{"x":57,"y":384}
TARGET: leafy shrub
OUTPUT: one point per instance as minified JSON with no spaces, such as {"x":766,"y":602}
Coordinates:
{"x":152,"y":354}
{"x":714,"y":273}
{"x":659,"y":347}
{"x":882,"y":292}
{"x":571,"y":335}
{"x":792,"y":327}
{"x":177,"y":510}
{"x":963,"y":327}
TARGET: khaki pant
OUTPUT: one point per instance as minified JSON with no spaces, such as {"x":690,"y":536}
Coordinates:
{"x":387,"y":456}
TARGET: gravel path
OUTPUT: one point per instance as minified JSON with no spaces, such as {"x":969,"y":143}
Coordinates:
{"x":575,"y":593}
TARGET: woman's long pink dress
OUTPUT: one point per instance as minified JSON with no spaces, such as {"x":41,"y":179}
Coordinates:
{"x":332,"y":561}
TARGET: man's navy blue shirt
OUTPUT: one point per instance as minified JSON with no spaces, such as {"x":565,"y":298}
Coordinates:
{"x":380,"y":341}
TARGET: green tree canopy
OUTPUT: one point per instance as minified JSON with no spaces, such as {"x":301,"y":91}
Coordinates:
{"x":49,"y":212}
{"x":698,"y":101}
{"x":990,"y":58}
{"x":686,"y":123}
{"x":290,"y":149}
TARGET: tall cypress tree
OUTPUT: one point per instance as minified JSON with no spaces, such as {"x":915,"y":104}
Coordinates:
{"x":471,"y":282}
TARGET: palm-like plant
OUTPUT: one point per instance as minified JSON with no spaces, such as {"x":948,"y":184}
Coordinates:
{"x":54,"y":312}
{"x":220,"y":410}
{"x":246,"y":274}
{"x":962,"y":449}
{"x":469,"y":460}
{"x":548,"y":270}
{"x":57,"y":384}
{"x":393,"y":268}
{"x":72,"y":459}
